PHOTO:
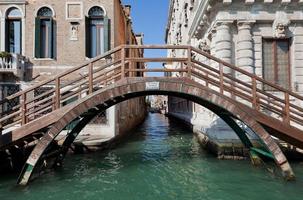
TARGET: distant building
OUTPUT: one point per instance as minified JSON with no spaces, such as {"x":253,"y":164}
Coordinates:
{"x":159,"y":103}
{"x":262,"y":37}
{"x":45,"y":38}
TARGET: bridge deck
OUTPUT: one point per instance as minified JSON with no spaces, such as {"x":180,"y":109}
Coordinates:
{"x":36,"y":109}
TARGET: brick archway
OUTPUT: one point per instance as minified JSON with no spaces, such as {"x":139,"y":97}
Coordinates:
{"x":134,"y":87}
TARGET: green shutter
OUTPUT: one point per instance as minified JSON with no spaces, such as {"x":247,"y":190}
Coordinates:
{"x":51,"y":39}
{"x":38,"y":38}
{"x":87,"y":38}
{"x":7,"y":35}
{"x":106,"y":34}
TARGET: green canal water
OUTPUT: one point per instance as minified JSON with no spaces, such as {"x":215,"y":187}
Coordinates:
{"x":162,"y":160}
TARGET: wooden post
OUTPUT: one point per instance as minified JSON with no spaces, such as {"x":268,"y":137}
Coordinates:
{"x":254,"y":92}
{"x":90,"y":78}
{"x":189,"y":62}
{"x":123,"y":62}
{"x":221,"y":78}
{"x":57,"y":93}
{"x":287,"y":110}
{"x":23,"y":108}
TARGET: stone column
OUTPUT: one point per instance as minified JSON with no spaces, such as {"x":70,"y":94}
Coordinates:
{"x":23,"y":36}
{"x":213,"y":48}
{"x":213,"y":41}
{"x":2,"y":33}
{"x":224,"y":42}
{"x":245,"y":48}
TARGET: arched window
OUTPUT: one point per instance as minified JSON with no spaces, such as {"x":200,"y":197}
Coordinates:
{"x":44,"y":33}
{"x":97,"y":32}
{"x":13,"y":32}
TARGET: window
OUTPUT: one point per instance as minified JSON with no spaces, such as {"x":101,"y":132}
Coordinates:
{"x":97,"y":32}
{"x":276,"y":63}
{"x":13,"y":30}
{"x":44,"y":34}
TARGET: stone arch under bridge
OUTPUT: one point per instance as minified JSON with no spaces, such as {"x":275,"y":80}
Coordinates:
{"x":87,"y":108}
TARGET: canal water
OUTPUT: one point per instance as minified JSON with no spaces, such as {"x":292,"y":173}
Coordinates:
{"x":162,"y":160}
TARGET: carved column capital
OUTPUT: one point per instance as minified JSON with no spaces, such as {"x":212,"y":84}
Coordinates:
{"x":245,"y":24}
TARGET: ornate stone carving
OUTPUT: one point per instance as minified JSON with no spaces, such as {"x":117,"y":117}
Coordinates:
{"x":280,"y":26}
{"x":202,"y":45}
{"x":74,"y":29}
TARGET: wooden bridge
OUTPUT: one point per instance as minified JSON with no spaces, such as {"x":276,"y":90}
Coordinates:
{"x":38,"y":114}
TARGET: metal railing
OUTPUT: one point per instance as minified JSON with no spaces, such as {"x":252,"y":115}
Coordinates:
{"x":126,"y":61}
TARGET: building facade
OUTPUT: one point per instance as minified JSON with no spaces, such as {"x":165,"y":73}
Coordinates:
{"x":262,"y":37}
{"x":41,"y":38}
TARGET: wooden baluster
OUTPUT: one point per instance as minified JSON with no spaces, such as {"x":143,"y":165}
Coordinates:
{"x":221,"y":78}
{"x":23,"y":108}
{"x":123,"y":62}
{"x":189,"y":62}
{"x":90,"y":78}
{"x":254,"y":93}
{"x":287,"y":110}
{"x":57,"y":93}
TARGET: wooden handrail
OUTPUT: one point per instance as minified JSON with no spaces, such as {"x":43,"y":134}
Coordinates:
{"x":247,"y":73}
{"x":124,"y":64}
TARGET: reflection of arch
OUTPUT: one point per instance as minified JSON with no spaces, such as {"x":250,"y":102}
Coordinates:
{"x":46,"y":6}
{"x":87,"y":108}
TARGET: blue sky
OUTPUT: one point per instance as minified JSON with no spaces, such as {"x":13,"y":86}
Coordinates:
{"x":150,"y":17}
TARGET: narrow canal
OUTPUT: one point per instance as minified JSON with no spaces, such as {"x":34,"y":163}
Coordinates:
{"x":162,"y":160}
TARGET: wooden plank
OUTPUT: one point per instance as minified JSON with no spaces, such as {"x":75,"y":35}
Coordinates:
{"x":164,"y":60}
{"x":23,"y":108}
{"x":90,"y":77}
{"x":287,"y":110}
{"x":221,"y":78}
{"x":57,"y":93}
{"x":189,"y":64}
{"x":157,"y":70}
{"x":122,"y":63}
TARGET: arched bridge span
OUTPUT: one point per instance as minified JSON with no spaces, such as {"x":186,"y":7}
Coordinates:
{"x":128,"y":88}
{"x":40,"y":112}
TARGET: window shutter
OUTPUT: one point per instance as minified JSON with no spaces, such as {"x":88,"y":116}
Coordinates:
{"x":87,"y":38}
{"x":51,"y":38}
{"x":7,"y":35}
{"x":38,"y":38}
{"x":106,"y":34}
{"x":283,"y":63}
{"x":268,"y":63}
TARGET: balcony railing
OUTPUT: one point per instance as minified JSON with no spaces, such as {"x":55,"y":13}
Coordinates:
{"x":15,"y":63}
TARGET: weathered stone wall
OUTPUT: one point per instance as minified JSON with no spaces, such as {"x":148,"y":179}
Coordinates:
{"x":70,"y":52}
{"x":233,"y":30}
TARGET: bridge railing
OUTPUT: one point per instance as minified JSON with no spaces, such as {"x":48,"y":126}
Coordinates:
{"x":248,"y":88}
{"x":128,"y":61}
